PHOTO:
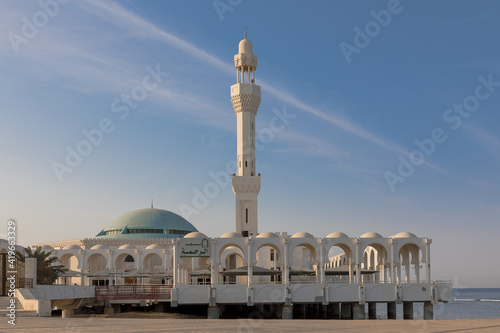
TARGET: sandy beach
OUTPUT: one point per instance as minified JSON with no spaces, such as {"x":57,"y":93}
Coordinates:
{"x":158,"y":324}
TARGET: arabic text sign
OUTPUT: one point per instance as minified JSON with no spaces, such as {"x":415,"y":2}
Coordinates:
{"x":194,"y":247}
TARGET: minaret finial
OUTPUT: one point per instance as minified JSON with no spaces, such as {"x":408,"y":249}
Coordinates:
{"x":245,"y":33}
{"x":151,"y":203}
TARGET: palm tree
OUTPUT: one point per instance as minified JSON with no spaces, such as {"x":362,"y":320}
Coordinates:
{"x":46,"y":272}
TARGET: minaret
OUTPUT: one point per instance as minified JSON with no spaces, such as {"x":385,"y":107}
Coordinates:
{"x":245,"y":96}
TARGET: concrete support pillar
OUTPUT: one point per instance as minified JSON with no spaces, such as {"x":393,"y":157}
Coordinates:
{"x":159,"y":307}
{"x":372,"y":310}
{"x":300,"y":310}
{"x":286,"y":312}
{"x":213,"y":312}
{"x":358,"y":311}
{"x":323,"y":311}
{"x":346,"y":311}
{"x":108,"y":309}
{"x":68,"y":313}
{"x":333,"y":311}
{"x":316,"y":310}
{"x":391,"y":310}
{"x":407,"y":310}
{"x":117,"y":308}
{"x":428,"y":310}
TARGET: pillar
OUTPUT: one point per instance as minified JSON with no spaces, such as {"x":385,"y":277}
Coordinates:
{"x":30,"y":268}
{"x":287,"y":312}
{"x":108,"y":309}
{"x":68,"y":313}
{"x":391,"y":310}
{"x":159,"y":307}
{"x":316,"y":310}
{"x":358,"y":311}
{"x":407,"y":310}
{"x":213,"y":312}
{"x":323,"y":311}
{"x":346,"y":311}
{"x":428,"y":310}
{"x":300,"y":310}
{"x":372,"y":310}
{"x":333,"y":311}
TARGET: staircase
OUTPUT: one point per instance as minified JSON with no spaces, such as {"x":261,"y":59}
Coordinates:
{"x":20,"y":312}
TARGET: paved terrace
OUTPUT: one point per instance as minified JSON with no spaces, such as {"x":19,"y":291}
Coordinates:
{"x":244,"y":325}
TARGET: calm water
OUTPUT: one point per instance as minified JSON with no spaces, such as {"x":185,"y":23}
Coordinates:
{"x":470,"y":303}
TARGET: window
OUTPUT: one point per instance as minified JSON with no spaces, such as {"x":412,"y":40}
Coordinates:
{"x":246,"y":164}
{"x":177,"y":232}
{"x":272,"y":255}
{"x":113,"y":232}
{"x":144,"y":231}
{"x":246,"y":215}
{"x":244,"y":233}
{"x":129,"y":258}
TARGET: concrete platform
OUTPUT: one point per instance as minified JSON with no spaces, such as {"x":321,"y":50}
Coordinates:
{"x":96,"y":324}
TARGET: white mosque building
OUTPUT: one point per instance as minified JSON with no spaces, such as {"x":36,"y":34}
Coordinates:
{"x":156,"y":257}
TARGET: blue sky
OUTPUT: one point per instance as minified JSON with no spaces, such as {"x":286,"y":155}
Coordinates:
{"x":355,"y":104}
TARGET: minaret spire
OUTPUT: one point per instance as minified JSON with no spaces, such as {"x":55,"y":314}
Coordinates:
{"x":245,"y":96}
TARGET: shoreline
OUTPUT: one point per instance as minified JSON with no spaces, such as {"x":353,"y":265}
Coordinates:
{"x":124,"y":324}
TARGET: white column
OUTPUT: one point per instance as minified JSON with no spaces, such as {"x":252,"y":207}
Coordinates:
{"x":213,"y":271}
{"x":322,"y":264}
{"x":175,"y":269}
{"x":358,"y":271}
{"x":428,"y":259}
{"x":249,"y":263}
{"x":286,"y":264}
{"x":350,"y":269}
{"x":391,"y":275}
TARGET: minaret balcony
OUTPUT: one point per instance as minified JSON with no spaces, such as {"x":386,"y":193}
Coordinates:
{"x":245,"y":97}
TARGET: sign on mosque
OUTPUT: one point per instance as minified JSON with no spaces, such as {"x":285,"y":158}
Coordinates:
{"x":192,"y":247}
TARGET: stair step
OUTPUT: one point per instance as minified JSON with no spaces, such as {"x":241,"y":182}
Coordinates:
{"x":20,"y":313}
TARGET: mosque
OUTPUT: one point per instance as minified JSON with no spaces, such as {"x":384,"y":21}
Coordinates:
{"x":155,"y":257}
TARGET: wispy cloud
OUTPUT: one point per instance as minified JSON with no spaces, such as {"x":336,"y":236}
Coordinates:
{"x":119,"y":16}
{"x":487,"y":140}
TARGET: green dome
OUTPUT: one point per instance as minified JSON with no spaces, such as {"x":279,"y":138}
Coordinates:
{"x":148,"y":223}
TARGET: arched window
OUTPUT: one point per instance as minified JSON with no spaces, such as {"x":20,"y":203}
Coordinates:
{"x":129,"y":258}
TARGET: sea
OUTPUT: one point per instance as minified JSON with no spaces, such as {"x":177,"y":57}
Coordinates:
{"x":467,"y":303}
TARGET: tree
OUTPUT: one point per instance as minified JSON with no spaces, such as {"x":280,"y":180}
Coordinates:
{"x":46,"y":271}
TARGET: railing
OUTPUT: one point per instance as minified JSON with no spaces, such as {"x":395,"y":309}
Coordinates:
{"x":104,"y":293}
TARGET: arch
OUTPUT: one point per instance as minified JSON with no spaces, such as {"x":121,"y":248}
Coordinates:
{"x":96,"y":262}
{"x":69,"y":261}
{"x":151,"y":262}
{"x":304,"y":260}
{"x":376,"y":257}
{"x":121,"y":264}
{"x":269,"y":255}
{"x":408,"y":258}
{"x":229,"y":246}
{"x":228,"y":251}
